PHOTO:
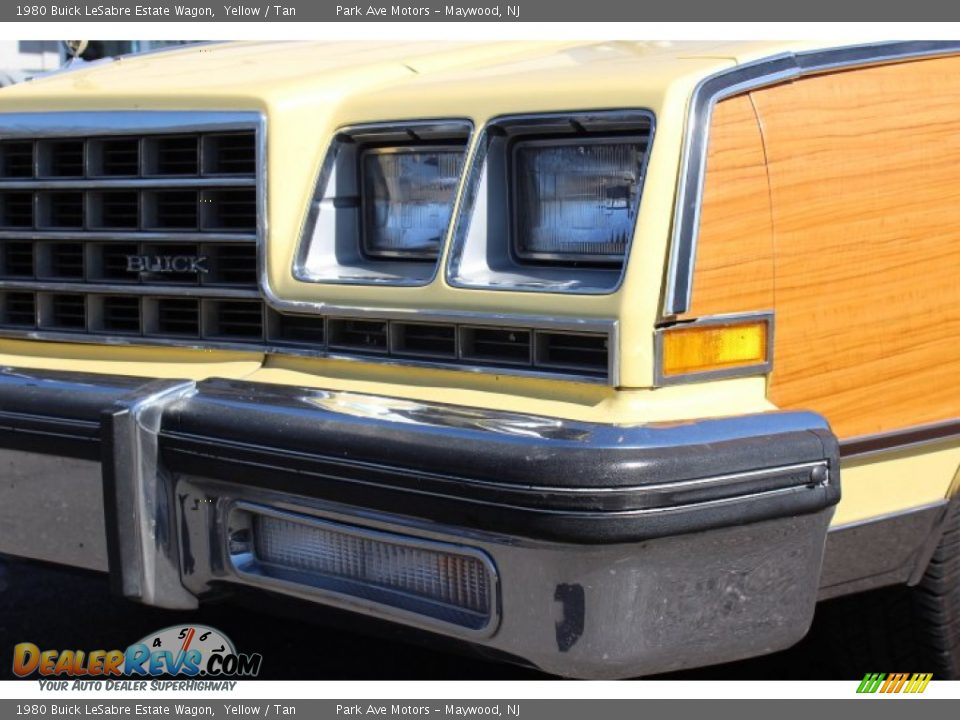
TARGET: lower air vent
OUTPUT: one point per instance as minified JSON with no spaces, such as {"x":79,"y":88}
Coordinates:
{"x":18,"y":310}
{"x":235,"y":320}
{"x":61,"y":261}
{"x":118,"y":314}
{"x":424,"y":340}
{"x":508,"y":346}
{"x":177,"y":317}
{"x":230,"y":210}
{"x":65,"y":312}
{"x":572,"y":351}
{"x":16,"y":159}
{"x":362,"y":335}
{"x":299,"y":329}
{"x":16,"y":210}
{"x":16,"y":260}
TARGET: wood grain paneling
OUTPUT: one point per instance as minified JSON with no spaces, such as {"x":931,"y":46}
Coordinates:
{"x":864,"y":171}
{"x":734,"y":264}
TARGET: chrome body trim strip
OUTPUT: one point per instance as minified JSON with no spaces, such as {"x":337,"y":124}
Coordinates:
{"x":916,"y":436}
{"x":764,"y":368}
{"x":742,"y":78}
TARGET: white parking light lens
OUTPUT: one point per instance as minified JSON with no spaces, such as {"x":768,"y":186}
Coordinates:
{"x":421,"y":578}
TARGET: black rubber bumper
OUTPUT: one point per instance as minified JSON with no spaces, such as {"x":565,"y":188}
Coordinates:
{"x":505,"y":472}
{"x":520,"y":475}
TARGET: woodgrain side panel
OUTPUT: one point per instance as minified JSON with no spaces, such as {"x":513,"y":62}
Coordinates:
{"x":734,"y":263}
{"x":864,"y":171}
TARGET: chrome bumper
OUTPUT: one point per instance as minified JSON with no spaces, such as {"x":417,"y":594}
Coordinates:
{"x":612,"y":551}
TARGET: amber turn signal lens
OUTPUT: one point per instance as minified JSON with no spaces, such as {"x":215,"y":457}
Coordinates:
{"x":706,"y":348}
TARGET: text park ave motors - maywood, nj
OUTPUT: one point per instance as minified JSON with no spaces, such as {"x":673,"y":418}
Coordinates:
{"x":457,"y":11}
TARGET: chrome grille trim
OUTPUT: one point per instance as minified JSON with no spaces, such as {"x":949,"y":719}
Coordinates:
{"x":128,"y":236}
{"x":173,"y":181}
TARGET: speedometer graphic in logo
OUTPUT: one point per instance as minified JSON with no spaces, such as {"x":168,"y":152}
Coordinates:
{"x":184,"y":638}
{"x":192,"y":650}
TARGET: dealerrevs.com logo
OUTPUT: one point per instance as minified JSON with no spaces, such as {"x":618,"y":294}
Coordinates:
{"x":181,"y":650}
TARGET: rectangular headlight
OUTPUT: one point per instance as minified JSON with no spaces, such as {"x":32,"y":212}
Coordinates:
{"x":576,"y":199}
{"x":407,"y":199}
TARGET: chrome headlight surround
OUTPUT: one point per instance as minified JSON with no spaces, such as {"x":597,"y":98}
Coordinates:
{"x":333,"y":247}
{"x":483,"y":253}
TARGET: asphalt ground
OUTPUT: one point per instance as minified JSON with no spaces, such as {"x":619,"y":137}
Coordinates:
{"x":58,"y":608}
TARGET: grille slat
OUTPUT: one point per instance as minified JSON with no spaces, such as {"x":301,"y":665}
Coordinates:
{"x":64,"y":312}
{"x":179,"y":155}
{"x":18,"y":309}
{"x":229,"y":154}
{"x":16,"y":209}
{"x":61,"y":158}
{"x":115,"y":157}
{"x":238,"y":320}
{"x":61,"y":209}
{"x":120,"y":314}
{"x":16,"y":159}
{"x":61,"y":261}
{"x":16,"y":260}
{"x":178,"y":317}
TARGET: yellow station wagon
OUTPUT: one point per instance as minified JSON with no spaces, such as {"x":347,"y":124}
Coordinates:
{"x":561,"y":350}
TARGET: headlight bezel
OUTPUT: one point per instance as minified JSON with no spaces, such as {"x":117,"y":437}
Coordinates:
{"x":331,"y":247}
{"x":484,"y":257}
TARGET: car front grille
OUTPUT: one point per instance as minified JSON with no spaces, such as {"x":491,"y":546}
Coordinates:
{"x":148,"y":234}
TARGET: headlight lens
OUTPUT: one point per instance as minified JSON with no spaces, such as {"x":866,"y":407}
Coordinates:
{"x":576,"y":200}
{"x":407,"y":198}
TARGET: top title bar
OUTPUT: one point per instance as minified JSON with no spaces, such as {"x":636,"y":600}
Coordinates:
{"x":457,"y":11}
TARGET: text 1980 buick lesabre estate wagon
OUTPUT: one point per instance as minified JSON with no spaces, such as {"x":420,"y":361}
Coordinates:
{"x":561,"y":350}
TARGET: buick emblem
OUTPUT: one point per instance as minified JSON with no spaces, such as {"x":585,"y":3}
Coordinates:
{"x":167,"y":264}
